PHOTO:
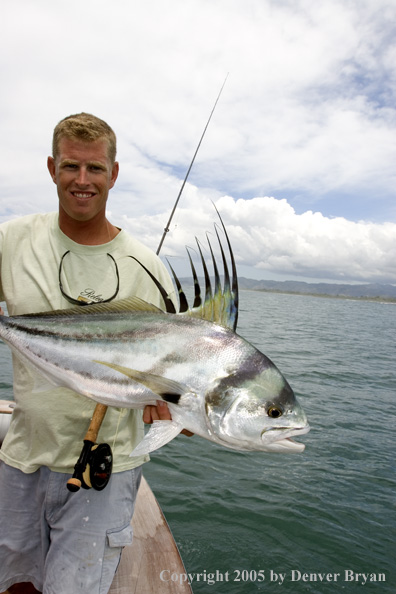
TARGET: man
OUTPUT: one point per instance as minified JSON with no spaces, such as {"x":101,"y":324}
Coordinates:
{"x":62,"y":542}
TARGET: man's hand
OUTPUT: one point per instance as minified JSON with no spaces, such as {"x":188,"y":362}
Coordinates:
{"x":1,"y":312}
{"x":156,"y":413}
{"x":160,"y":412}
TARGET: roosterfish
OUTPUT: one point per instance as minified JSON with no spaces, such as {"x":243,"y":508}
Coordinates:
{"x":129,"y":354}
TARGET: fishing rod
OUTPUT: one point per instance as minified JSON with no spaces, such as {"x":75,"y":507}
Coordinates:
{"x":166,"y":230}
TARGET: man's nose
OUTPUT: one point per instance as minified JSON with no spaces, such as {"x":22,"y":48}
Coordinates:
{"x":82,"y":176}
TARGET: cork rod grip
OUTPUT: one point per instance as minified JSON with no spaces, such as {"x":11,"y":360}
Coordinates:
{"x":96,"y":422}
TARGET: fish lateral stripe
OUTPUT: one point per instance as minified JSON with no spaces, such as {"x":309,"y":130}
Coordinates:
{"x":32,"y":331}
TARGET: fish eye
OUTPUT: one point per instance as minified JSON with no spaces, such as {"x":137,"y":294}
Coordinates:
{"x":274,"y":412}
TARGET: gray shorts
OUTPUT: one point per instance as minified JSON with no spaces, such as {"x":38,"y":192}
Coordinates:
{"x":62,"y":542}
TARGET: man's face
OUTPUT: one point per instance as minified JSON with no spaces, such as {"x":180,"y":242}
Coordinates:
{"x":83,"y":174}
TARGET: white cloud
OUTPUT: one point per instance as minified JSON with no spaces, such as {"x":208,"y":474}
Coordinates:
{"x":269,"y":238}
{"x":307,"y":113}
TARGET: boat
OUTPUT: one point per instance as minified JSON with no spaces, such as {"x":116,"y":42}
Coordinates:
{"x":148,"y":564}
{"x":6,"y":408}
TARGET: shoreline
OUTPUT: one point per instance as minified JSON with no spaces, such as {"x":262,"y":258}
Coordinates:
{"x":378,"y":299}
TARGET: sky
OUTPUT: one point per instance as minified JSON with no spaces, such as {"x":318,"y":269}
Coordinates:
{"x":299,"y":156}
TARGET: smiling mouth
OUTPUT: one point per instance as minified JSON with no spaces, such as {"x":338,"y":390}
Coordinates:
{"x":83,"y":195}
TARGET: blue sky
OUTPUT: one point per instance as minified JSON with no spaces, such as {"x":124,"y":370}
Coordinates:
{"x":299,"y":156}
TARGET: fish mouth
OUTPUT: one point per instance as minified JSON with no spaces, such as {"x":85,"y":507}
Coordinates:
{"x":286,"y":446}
{"x":280,"y":439}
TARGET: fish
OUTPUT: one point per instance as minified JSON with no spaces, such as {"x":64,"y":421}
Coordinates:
{"x":130,"y":354}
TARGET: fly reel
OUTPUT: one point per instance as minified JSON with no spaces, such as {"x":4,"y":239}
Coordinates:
{"x":93,"y":468}
{"x":98,"y":469}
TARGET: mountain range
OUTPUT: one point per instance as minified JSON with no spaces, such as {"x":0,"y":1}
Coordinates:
{"x":364,"y":291}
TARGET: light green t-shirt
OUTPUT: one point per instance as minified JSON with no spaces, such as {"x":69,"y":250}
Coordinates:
{"x":48,"y":427}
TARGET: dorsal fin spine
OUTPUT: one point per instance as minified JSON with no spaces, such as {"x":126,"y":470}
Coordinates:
{"x":183,"y":303}
{"x":220,"y":306}
{"x":170,"y":308}
{"x":207,"y":312}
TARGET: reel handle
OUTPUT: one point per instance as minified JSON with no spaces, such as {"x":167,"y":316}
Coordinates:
{"x":76,"y":482}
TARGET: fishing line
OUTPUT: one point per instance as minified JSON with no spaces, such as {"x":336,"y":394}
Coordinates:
{"x":122,"y":411}
{"x":166,"y":230}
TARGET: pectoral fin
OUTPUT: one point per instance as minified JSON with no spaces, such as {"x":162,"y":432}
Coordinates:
{"x":167,"y":389}
{"x":160,"y":433}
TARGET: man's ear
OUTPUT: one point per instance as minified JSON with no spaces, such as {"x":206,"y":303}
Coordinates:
{"x":52,"y":168}
{"x":114,"y":173}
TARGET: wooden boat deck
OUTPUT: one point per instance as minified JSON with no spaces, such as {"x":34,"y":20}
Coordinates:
{"x":152,"y":551}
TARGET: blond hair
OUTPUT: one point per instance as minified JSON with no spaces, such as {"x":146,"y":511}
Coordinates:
{"x":86,"y":127}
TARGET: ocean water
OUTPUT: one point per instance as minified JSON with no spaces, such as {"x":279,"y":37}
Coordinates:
{"x":243,"y":519}
{"x":322,"y":521}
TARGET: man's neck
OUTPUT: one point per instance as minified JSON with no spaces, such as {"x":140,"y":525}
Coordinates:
{"x":96,"y":231}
